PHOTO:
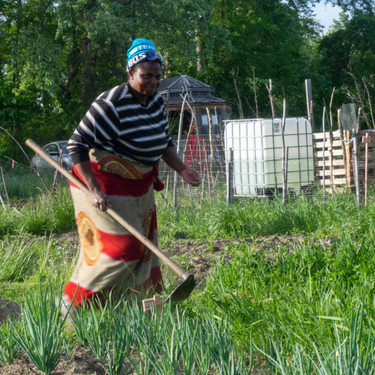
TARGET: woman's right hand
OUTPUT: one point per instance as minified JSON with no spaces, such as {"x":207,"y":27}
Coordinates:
{"x":99,"y":199}
{"x":97,"y":196}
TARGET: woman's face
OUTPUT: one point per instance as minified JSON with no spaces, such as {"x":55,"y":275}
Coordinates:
{"x":146,"y":78}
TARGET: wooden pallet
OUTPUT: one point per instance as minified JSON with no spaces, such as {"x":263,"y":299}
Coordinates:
{"x":334,"y":159}
{"x":330,"y":155}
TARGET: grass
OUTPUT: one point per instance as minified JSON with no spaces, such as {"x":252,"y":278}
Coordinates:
{"x":9,"y":349}
{"x":39,"y":333}
{"x":25,"y":185}
{"x":303,"y":307}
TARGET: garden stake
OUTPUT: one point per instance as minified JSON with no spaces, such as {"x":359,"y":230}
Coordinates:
{"x":153,"y":303}
{"x":2,"y":202}
{"x":5,"y":186}
{"x":183,"y":290}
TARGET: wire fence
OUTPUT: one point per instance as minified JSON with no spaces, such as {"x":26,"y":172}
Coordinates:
{"x":334,"y":166}
{"x":329,"y":167}
{"x":207,"y":157}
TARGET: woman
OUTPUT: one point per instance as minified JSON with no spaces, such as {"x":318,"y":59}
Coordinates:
{"x":115,"y":150}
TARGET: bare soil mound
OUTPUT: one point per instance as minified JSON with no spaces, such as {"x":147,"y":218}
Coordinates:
{"x":8,"y":309}
{"x":80,"y":362}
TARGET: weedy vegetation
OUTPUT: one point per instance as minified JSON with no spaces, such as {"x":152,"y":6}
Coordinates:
{"x":300,"y":307}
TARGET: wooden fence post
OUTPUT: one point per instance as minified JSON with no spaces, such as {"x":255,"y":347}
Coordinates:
{"x":283,"y":156}
{"x":178,"y":150}
{"x":5,"y":186}
{"x":348,"y":152}
{"x":324,"y":154}
{"x":230,"y":176}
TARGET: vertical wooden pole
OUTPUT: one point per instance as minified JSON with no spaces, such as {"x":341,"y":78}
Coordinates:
{"x":286,"y":167}
{"x":178,"y":150}
{"x":203,"y":185}
{"x":270,"y":94}
{"x":356,"y":170}
{"x":283,"y":161}
{"x":157,"y":302}
{"x":211,"y":149}
{"x":167,"y":187}
{"x":5,"y":186}
{"x":324,"y":154}
{"x":341,"y":132}
{"x":230,"y":176}
{"x":348,"y":149}
{"x":330,"y":149}
{"x":187,"y":139}
{"x":206,"y":169}
{"x":309,"y":102}
{"x":2,"y":202}
{"x":310,"y":116}
{"x":355,"y":146}
{"x":331,"y":143}
{"x":330,"y":110}
{"x":219,"y":152}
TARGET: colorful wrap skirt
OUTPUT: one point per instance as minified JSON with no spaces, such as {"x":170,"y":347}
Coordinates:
{"x":110,"y":257}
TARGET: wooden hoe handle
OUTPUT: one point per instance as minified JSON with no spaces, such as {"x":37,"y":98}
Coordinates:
{"x":174,"y":266}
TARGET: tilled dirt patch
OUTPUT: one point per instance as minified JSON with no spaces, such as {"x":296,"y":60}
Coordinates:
{"x":81,"y":362}
{"x":198,"y":256}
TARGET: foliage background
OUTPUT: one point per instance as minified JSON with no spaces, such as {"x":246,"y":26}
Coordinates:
{"x":57,"y":56}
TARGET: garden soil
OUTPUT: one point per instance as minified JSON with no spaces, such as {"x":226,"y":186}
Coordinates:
{"x":201,"y":258}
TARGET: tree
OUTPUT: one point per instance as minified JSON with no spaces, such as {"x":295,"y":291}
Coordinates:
{"x":266,"y":39}
{"x":348,"y":53}
{"x":356,"y":7}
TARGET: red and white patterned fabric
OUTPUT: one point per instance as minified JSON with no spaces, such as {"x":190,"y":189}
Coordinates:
{"x":110,"y":257}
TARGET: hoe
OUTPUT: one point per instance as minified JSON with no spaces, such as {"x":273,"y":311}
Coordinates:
{"x":183,"y":290}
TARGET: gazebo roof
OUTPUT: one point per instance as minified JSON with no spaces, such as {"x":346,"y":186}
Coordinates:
{"x":173,"y":90}
{"x":182,"y":83}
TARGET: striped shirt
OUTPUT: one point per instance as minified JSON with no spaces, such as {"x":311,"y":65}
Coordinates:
{"x":118,"y":123}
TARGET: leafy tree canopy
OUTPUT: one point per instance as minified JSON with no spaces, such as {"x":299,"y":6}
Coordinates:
{"x":57,"y":56}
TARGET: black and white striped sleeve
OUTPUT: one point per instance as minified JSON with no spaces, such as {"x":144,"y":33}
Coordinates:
{"x":167,"y":132}
{"x":97,"y":127}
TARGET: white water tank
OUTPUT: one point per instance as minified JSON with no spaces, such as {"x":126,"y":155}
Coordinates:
{"x":257,"y":155}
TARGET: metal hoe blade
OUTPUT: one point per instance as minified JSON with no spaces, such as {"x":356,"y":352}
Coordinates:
{"x":183,"y":290}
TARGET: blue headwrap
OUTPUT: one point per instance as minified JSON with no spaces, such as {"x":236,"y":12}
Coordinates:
{"x":142,"y":50}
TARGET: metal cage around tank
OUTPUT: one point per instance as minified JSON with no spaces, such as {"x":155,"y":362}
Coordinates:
{"x":253,"y":151}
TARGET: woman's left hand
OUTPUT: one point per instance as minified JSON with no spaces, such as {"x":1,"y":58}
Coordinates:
{"x":191,"y":177}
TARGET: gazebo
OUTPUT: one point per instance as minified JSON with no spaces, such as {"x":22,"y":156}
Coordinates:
{"x":200,"y":97}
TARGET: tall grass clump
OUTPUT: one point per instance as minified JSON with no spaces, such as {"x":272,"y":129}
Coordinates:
{"x":9,"y":349}
{"x":40,"y":331}
{"x":302,"y":215}
{"x":295,"y":296}
{"x":167,"y":342}
{"x":175,"y":343}
{"x":9,"y":222}
{"x":26,"y":185}
{"x":351,"y":353}
{"x":49,"y":213}
{"x":31,"y":259}
{"x":121,"y":341}
{"x":18,"y":259}
{"x":93,"y":327}
{"x":63,"y":211}
{"x":43,"y":214}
